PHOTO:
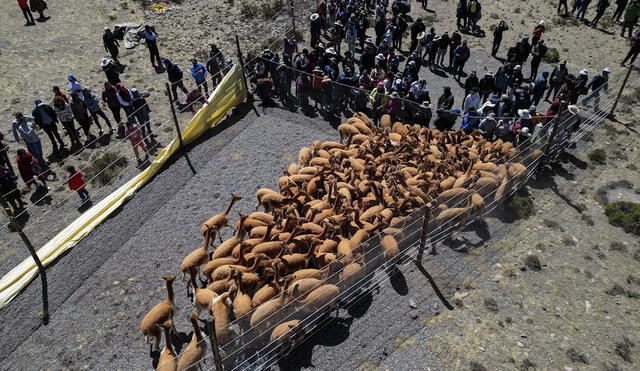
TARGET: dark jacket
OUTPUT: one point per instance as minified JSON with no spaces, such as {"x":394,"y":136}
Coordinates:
{"x":37,"y":115}
{"x":109,"y":97}
{"x":174,"y":72}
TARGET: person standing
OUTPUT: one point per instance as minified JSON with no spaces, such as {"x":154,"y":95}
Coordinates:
{"x":4,"y":154}
{"x":634,"y":50}
{"x":601,"y":7}
{"x":486,"y":85}
{"x":442,"y":46}
{"x":57,"y":93}
{"x":537,"y":33}
{"x":416,"y":28}
{"x":563,"y":3}
{"x":474,"y":12}
{"x":620,"y":7}
{"x":93,"y":105}
{"x":539,"y":86}
{"x":461,"y":14}
{"x":460,"y":57}
{"x":314,"y":29}
{"x":81,"y":114}
{"x":110,"y":70}
{"x":557,"y":79}
{"x":142,"y":111}
{"x":137,"y":141}
{"x":497,"y":37}
{"x":63,"y":111}
{"x":538,"y":53}
{"x":446,"y":100}
{"x":9,"y":189}
{"x":39,"y":6}
{"x":31,"y":170}
{"x":630,"y":17}
{"x":111,"y":44}
{"x":199,"y":74}
{"x":150,"y":37}
{"x":45,"y":118}
{"x":456,"y":40}
{"x":76,"y":182}
{"x":213,"y":66}
{"x":583,"y":9}
{"x":175,"y":78}
{"x":24,"y":128}
{"x":125,"y":98}
{"x":471,"y":102}
{"x":597,"y":83}
{"x":74,"y":85}
{"x":24,"y":5}
{"x":109,"y":96}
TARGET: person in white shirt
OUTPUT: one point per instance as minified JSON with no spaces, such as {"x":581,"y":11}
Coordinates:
{"x":471,"y":101}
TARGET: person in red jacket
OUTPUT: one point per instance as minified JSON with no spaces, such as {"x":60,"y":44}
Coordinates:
{"x":76,"y":183}
{"x":537,"y":33}
{"x":24,"y":5}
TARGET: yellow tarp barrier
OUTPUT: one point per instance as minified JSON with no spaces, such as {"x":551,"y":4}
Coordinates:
{"x":227,"y":95}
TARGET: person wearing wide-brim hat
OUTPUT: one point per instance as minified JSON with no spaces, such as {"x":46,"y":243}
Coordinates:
{"x":110,"y":70}
{"x":598,"y":83}
{"x":488,"y":126}
{"x":525,"y":119}
{"x":423,"y":114}
{"x":315,"y":27}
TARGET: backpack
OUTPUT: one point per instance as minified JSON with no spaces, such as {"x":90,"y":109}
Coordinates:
{"x":473,"y":6}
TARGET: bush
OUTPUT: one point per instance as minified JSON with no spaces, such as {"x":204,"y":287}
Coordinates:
{"x":552,"y":56}
{"x":625,"y":215}
{"x":598,"y":156}
{"x":520,"y":204}
{"x":248,"y":10}
{"x":106,"y":167}
{"x":270,"y":9}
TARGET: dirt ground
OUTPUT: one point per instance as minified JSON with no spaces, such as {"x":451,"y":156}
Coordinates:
{"x":579,"y":311}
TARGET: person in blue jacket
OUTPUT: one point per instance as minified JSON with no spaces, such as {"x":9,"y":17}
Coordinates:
{"x":199,"y":74}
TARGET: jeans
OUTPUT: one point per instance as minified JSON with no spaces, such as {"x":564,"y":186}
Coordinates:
{"x":206,"y":87}
{"x":144,"y":123}
{"x":128,"y":110}
{"x":582,"y":12}
{"x":83,"y":193}
{"x":36,"y":150}
{"x":563,"y":3}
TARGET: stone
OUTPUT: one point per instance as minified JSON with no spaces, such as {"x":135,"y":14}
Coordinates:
{"x":412,"y":303}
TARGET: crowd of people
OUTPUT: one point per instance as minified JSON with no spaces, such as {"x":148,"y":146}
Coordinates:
{"x":376,"y":72}
{"x":373,"y":74}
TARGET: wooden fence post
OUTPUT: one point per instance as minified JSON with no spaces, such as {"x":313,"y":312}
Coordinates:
{"x":624,"y":83}
{"x":214,"y":345}
{"x":34,"y":255}
{"x":177,"y":125}
{"x":425,"y":231}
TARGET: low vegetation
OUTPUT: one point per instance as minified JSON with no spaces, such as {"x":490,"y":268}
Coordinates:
{"x":552,"y":56}
{"x":625,"y":215}
{"x":520,"y":205}
{"x":106,"y":167}
{"x":599,"y":156}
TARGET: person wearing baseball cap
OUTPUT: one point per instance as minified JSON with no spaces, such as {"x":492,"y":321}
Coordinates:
{"x":598,"y":83}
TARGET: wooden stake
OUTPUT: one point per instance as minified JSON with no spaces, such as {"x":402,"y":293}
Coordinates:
{"x":214,"y":345}
{"x":425,"y":231}
{"x":34,"y":255}
{"x":178,"y":131}
{"x":624,"y":83}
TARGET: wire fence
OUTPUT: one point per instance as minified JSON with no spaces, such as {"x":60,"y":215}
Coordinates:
{"x":251,"y":345}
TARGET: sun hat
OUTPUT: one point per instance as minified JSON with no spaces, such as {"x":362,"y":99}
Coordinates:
{"x":395,"y":94}
{"x":606,"y":69}
{"x":422,"y":35}
{"x":525,"y":132}
{"x":425,"y":105}
{"x":517,"y":67}
{"x":573,"y":109}
{"x":584,"y":72}
{"x":487,"y":104}
{"x":532,"y":109}
{"x":105,"y":62}
{"x":541,"y":23}
{"x":317,"y":69}
{"x":330,"y":51}
{"x":524,"y":113}
{"x":134,"y":90}
{"x":338,"y":23}
{"x":314,"y":17}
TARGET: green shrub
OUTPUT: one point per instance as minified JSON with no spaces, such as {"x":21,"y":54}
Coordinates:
{"x":625,"y":215}
{"x":552,"y":56}
{"x":517,"y":10}
{"x":270,"y":9}
{"x":598,"y":156}
{"x":520,"y":204}
{"x":106,"y":167}
{"x":248,"y":10}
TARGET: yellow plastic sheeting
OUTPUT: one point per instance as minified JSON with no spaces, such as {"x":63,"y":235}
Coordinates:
{"x":227,"y":95}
